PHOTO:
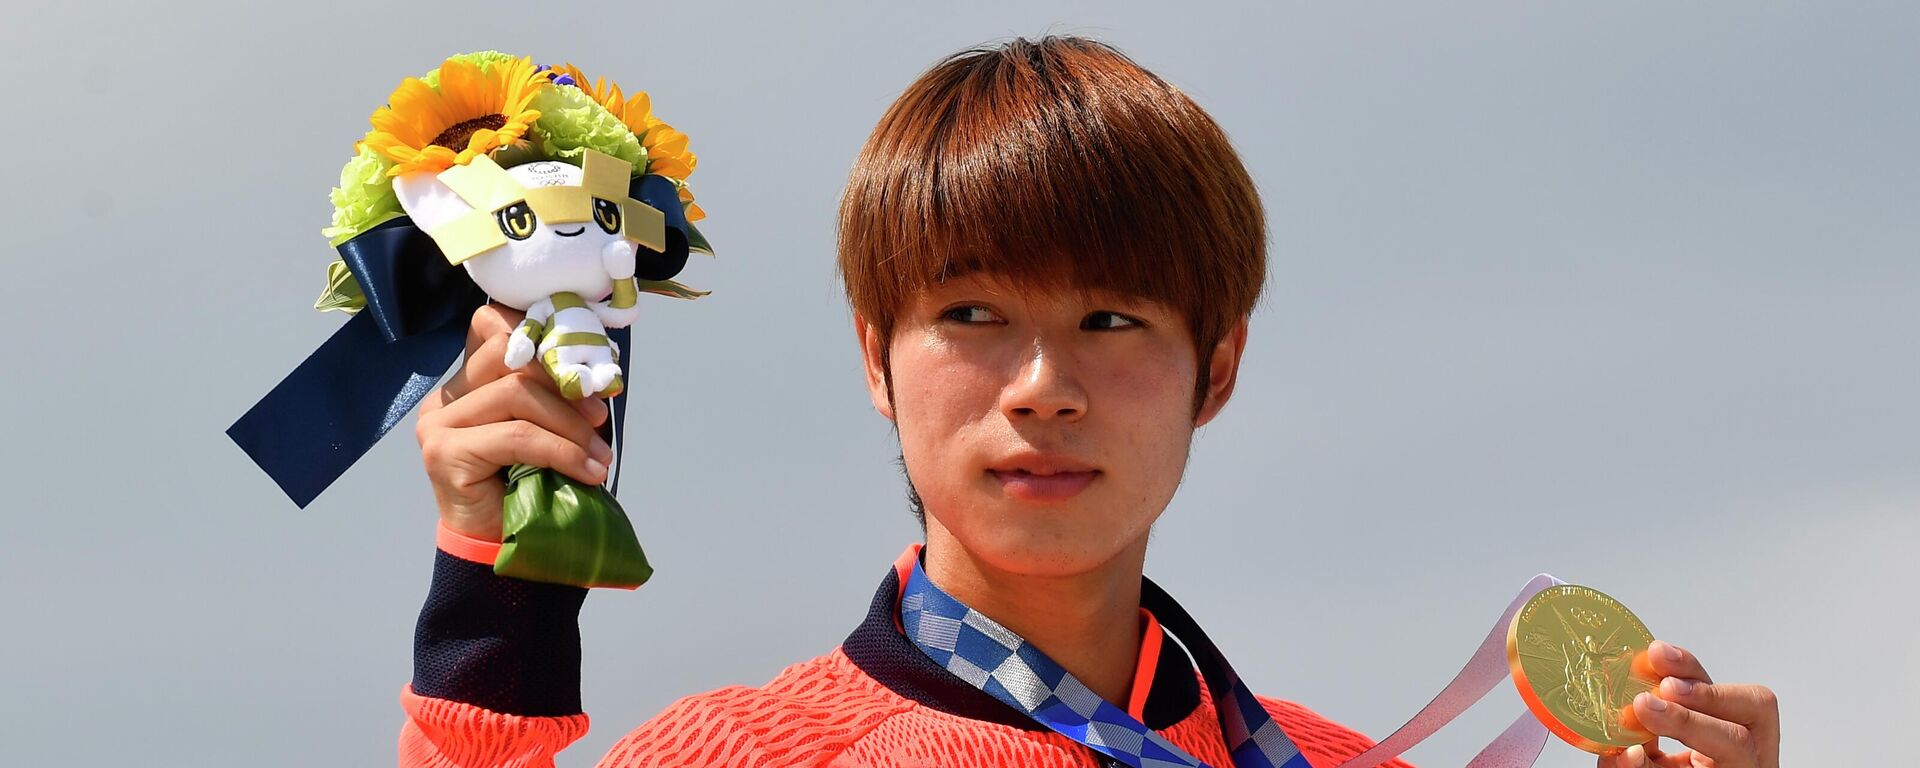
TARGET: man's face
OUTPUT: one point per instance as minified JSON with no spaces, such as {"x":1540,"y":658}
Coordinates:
{"x":1045,"y":431}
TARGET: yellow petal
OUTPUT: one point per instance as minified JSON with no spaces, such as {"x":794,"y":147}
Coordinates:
{"x":579,"y":78}
{"x":478,"y":143}
{"x":433,"y":108}
{"x":415,"y":113}
{"x":523,"y":81}
{"x":394,"y":150}
{"x":464,"y":90}
{"x":635,"y":113}
{"x":432,"y":158}
{"x":667,"y":166}
{"x":671,"y":143}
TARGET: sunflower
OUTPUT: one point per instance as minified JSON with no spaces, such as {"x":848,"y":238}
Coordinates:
{"x":475,"y":110}
{"x":667,"y":153}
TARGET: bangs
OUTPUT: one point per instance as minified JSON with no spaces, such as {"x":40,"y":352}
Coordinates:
{"x":1057,"y":164}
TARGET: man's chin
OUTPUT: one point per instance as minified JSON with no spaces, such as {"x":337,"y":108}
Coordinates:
{"x":1044,"y":548}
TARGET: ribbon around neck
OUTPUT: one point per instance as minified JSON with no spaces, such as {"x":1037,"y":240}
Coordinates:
{"x":996,"y":660}
{"x":360,"y":383}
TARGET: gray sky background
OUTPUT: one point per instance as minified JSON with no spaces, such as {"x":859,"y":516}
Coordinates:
{"x":1625,"y":291}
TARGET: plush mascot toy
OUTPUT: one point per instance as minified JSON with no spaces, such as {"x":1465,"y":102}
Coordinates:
{"x":492,"y":179}
{"x":551,"y":240}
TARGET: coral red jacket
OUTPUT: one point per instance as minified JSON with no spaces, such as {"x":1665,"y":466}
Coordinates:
{"x":497,"y":670}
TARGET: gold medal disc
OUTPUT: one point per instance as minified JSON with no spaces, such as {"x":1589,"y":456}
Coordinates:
{"x":1579,"y":658}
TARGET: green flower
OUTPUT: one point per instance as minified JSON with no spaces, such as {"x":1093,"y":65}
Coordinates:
{"x":486,"y":60}
{"x":364,"y":198}
{"x":571,"y":122}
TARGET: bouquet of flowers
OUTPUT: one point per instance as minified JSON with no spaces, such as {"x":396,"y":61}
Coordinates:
{"x":490,"y":178}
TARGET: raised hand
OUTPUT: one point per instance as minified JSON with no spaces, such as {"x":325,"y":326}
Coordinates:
{"x":487,"y":416}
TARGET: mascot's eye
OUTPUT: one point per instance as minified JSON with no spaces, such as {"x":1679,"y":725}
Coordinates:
{"x":606,"y":213}
{"x":517,"y":221}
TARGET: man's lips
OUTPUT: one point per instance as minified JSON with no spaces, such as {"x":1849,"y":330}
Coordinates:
{"x":1040,"y":480}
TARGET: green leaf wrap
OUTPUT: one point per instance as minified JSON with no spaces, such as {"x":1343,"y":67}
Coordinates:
{"x":343,"y":291}
{"x":697,"y":242}
{"x":560,"y":531}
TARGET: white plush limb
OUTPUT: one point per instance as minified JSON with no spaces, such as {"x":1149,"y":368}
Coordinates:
{"x":618,"y":256}
{"x":541,"y":311}
{"x":603,"y":376}
{"x":520,"y":348}
{"x":614,"y":317}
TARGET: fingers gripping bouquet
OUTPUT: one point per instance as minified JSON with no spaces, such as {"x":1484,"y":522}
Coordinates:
{"x":491,"y":178}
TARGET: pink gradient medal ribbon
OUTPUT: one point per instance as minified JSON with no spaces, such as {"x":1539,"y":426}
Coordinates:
{"x":1519,"y":746}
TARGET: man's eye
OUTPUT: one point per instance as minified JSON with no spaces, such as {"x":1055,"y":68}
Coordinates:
{"x":969,"y":315}
{"x":1104,"y":321}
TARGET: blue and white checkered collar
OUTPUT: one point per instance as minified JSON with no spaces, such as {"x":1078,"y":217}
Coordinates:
{"x":996,"y":660}
{"x":880,"y":649}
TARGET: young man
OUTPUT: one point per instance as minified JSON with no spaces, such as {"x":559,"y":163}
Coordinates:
{"x":1051,"y":256}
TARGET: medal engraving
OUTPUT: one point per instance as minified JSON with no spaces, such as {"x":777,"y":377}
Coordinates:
{"x":1578,"y":658}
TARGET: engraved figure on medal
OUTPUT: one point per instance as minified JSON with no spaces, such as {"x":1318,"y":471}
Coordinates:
{"x":1590,"y":669}
{"x":1576,"y":671}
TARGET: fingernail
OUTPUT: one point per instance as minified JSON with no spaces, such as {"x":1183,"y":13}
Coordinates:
{"x":1678,"y":686}
{"x":1670,"y":651}
{"x":1655,"y":703}
{"x":596,"y":468}
{"x":601,"y":451}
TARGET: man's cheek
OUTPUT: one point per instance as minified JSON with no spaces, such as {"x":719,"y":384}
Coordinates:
{"x":1147,"y":381}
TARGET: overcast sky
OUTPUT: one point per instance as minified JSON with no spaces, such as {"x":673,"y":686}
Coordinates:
{"x":1624,"y":291}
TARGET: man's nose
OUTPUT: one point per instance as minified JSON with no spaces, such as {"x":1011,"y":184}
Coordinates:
{"x":1046,"y":387}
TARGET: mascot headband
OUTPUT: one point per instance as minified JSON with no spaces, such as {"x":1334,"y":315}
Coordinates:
{"x":503,"y":206}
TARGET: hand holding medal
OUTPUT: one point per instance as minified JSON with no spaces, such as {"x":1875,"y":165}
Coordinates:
{"x":1592,"y":674}
{"x":1723,"y":726}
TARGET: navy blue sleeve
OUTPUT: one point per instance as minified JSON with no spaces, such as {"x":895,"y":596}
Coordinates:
{"x":503,"y":644}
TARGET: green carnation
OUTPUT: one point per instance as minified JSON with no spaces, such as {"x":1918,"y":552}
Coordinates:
{"x":486,"y":60}
{"x":364,"y":198}
{"x":571,"y":123}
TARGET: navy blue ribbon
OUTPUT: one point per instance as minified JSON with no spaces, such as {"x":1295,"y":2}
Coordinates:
{"x":364,"y":379}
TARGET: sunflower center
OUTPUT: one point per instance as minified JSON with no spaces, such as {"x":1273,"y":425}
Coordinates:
{"x":455,"y":138}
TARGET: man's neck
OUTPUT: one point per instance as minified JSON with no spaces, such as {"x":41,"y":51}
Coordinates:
{"x":1088,"y":622}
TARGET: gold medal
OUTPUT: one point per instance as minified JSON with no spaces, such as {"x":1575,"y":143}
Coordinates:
{"x":1579,"y":658}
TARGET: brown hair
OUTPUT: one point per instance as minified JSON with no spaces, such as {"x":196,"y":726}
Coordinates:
{"x":1057,"y":162}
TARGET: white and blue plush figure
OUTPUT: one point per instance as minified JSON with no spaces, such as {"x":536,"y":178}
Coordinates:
{"x":553,"y":240}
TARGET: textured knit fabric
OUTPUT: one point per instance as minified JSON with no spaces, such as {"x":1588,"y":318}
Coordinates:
{"x":867,"y":703}
{"x":505,"y":645}
{"x":827,"y":712}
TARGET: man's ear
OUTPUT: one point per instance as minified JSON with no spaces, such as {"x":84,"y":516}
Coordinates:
{"x":428,"y":201}
{"x":1223,"y":367}
{"x":873,"y":355}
